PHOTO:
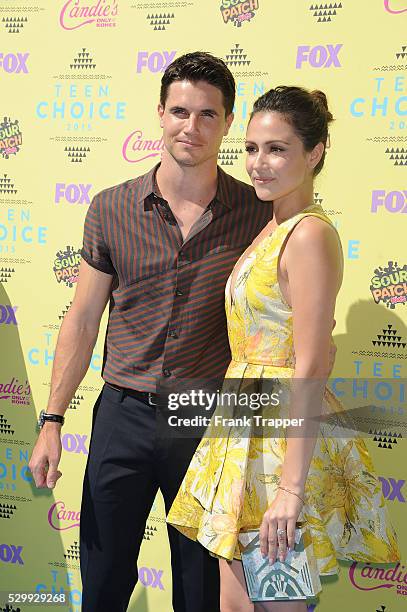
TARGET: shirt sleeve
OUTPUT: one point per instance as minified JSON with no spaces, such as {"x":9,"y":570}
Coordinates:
{"x":95,"y":251}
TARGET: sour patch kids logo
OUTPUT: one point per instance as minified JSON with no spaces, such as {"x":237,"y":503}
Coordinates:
{"x":238,"y":11}
{"x":66,"y":266}
{"x":11,"y":137}
{"x":389,"y":284}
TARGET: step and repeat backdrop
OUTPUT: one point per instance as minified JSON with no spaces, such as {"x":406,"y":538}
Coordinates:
{"x":79,"y":83}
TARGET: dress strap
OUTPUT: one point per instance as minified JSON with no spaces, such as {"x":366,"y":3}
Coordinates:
{"x":284,"y":230}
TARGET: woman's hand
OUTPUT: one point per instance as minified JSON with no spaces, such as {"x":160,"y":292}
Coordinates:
{"x":277,"y":530}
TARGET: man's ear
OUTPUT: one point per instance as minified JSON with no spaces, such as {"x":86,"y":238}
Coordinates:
{"x":228,"y":123}
{"x":160,"y":111}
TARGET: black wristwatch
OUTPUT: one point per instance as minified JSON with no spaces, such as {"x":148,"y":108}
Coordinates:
{"x":45,"y":416}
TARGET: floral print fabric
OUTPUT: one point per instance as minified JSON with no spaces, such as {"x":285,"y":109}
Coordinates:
{"x":233,"y":477}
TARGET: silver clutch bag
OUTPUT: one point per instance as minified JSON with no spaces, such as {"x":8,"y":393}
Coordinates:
{"x":295,"y":578}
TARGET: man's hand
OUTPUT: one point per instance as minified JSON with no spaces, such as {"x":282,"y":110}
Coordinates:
{"x":46,"y":456}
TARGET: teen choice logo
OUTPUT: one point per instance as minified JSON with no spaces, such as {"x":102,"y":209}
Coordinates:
{"x":238,"y":11}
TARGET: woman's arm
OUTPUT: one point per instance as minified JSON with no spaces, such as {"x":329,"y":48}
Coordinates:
{"x":312,"y":262}
{"x":311,"y":266}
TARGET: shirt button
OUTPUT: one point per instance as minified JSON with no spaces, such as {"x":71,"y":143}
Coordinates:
{"x":179,"y":292}
{"x":166,"y":372}
{"x":181,"y":254}
{"x":172,"y":333}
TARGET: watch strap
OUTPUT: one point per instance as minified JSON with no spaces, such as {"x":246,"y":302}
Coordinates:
{"x":54,"y":418}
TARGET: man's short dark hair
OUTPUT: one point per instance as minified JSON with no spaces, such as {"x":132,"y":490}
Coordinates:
{"x":201,"y":66}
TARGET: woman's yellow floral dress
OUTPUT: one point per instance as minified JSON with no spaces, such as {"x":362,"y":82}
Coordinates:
{"x":232,"y":480}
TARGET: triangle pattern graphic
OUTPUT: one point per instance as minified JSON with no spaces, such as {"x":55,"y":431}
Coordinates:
{"x":227,"y":157}
{"x":397,"y":155}
{"x":13,"y":25}
{"x":6,"y":274}
{"x":149,"y":532}
{"x":7,"y":511}
{"x":5,"y":427}
{"x":83,"y":61}
{"x":65,"y":310}
{"x":317,"y":198}
{"x":160,"y":21}
{"x":77,"y":154}
{"x":237,"y":57}
{"x":72,"y":552}
{"x":384,"y":439}
{"x":403,"y":53}
{"x":6,"y":186}
{"x":389,"y":337}
{"x":75,"y":402}
{"x":325,"y":12}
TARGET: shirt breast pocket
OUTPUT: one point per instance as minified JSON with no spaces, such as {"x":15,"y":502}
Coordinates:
{"x":144,"y":293}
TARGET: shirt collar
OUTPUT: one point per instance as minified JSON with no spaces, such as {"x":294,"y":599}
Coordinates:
{"x":147,"y":185}
{"x":224,"y":192}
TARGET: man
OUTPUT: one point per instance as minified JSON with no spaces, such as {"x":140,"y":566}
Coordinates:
{"x":160,"y":248}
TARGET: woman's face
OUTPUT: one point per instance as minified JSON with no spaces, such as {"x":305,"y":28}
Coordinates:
{"x":276,"y":161}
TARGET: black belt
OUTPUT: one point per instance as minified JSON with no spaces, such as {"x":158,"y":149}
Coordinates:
{"x":144,"y":396}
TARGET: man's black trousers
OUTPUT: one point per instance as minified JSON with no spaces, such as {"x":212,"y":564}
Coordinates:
{"x":127,"y":463}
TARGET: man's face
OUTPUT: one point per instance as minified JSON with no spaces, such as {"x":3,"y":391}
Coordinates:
{"x":193,"y":122}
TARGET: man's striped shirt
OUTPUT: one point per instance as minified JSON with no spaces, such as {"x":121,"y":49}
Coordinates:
{"x":167,"y":313}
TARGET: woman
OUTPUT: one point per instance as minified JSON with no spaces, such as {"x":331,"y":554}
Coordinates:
{"x":280,"y":302}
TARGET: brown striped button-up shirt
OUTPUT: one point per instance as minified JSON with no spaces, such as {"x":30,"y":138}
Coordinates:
{"x":167,"y":313}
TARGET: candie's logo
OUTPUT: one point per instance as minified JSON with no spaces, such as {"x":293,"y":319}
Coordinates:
{"x":66,"y":266}
{"x":77,"y":13}
{"x":15,"y":392}
{"x":367,"y":578}
{"x":60,"y":518}
{"x":11,"y":137}
{"x":395,"y":6}
{"x":136,"y":148}
{"x":238,"y":11}
{"x":389,"y":284}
